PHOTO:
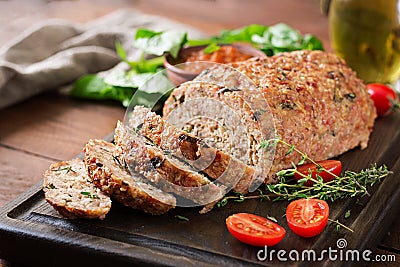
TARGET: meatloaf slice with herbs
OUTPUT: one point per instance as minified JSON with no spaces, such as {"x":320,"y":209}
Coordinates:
{"x":191,"y":149}
{"x":110,"y":175}
{"x":70,"y":191}
{"x":317,"y":102}
{"x":161,"y":168}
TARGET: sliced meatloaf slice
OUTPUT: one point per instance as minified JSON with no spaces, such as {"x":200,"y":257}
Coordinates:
{"x":191,"y":149}
{"x":70,"y":191}
{"x":317,"y":102}
{"x":170,"y":174}
{"x":110,"y":175}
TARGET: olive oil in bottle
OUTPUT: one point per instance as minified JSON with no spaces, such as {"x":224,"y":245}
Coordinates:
{"x":366,"y":34}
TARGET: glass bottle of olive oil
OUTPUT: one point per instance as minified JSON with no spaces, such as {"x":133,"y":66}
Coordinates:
{"x":366,"y":34}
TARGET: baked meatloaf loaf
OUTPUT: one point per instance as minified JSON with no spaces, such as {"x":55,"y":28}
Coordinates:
{"x":192,"y":150}
{"x":110,"y":175}
{"x":316,"y":101}
{"x":70,"y":191}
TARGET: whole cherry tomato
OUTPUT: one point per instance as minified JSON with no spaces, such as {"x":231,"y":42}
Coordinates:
{"x":384,"y":97}
{"x":333,"y":166}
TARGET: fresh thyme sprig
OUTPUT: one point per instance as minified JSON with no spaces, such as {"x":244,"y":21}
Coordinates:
{"x":350,"y":184}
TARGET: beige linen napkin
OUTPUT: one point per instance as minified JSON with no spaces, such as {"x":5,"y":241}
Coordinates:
{"x":54,"y":53}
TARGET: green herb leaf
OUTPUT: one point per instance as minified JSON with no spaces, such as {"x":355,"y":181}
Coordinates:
{"x":271,"y":218}
{"x":347,"y":214}
{"x":90,"y":195}
{"x":222,"y":202}
{"x":66,"y":169}
{"x":302,"y":180}
{"x":287,"y":172}
{"x":240,"y":197}
{"x":183,"y":218}
{"x":266,"y":144}
{"x":303,"y":160}
{"x":290,"y":150}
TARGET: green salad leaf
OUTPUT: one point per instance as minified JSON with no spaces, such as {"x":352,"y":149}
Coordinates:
{"x":282,"y":38}
{"x":157,"y":43}
{"x":94,"y":87}
{"x":142,"y":65}
{"x":244,"y":34}
{"x":211,"y":48}
{"x":140,"y":88}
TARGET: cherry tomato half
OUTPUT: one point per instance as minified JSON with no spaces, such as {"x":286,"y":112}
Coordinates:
{"x":254,"y":230}
{"x":307,"y":217}
{"x":333,"y":166}
{"x":383,"y":97}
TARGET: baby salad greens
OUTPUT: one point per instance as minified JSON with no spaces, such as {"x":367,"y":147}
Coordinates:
{"x":121,"y":84}
{"x":270,"y":39}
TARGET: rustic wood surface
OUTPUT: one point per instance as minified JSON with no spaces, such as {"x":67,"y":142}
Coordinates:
{"x":52,"y":127}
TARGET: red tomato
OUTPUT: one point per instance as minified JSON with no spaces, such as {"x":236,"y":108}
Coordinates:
{"x":254,"y":230}
{"x":384,"y":98}
{"x":307,"y":217}
{"x":334,"y":166}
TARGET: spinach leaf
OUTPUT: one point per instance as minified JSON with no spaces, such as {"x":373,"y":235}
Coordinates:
{"x":143,"y":65}
{"x":154,"y":90}
{"x":94,"y":87}
{"x":131,"y":78}
{"x":244,"y":34}
{"x":311,"y":42}
{"x":140,"y":88}
{"x":157,"y":43}
{"x":211,"y":48}
{"x":282,"y":38}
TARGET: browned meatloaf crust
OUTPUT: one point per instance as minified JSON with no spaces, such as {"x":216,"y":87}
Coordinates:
{"x":70,"y":191}
{"x":189,"y":148}
{"x":162,"y":169}
{"x":317,"y":102}
{"x":110,"y":175}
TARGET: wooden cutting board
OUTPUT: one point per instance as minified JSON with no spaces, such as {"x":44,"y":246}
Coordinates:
{"x":31,"y":232}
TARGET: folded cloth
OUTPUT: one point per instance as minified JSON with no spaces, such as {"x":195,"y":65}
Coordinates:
{"x":54,"y":53}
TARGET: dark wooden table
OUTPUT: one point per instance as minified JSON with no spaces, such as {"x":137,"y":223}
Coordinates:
{"x":52,"y":127}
